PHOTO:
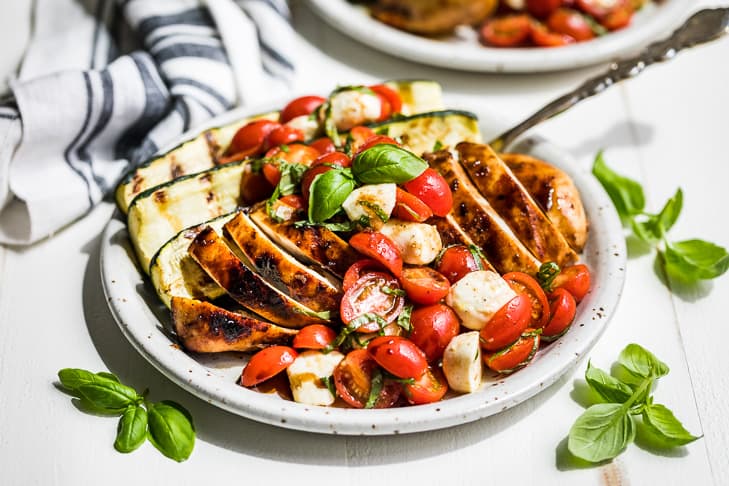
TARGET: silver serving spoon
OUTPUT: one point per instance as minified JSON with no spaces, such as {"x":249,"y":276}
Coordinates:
{"x":703,"y":26}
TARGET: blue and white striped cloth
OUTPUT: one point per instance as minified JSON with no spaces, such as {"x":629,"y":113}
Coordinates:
{"x":105,"y":83}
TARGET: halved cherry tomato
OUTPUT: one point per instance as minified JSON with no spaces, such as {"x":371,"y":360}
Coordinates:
{"x":254,"y":187}
{"x":390,"y":95}
{"x":423,"y":285}
{"x":409,"y":208}
{"x":304,"y":105}
{"x":370,"y":295}
{"x":308,"y":178}
{"x":296,"y":153}
{"x":399,"y":356}
{"x":359,"y":268}
{"x":563,"y":309}
{"x":378,"y":247}
{"x":433,"y":327}
{"x":333,"y":158}
{"x":429,"y":388}
{"x":509,"y":322}
{"x":358,"y":136}
{"x":324,"y":145}
{"x":375,"y":140}
{"x":570,"y":22}
{"x":619,"y":17}
{"x":523,"y":283}
{"x":294,"y":201}
{"x":314,"y":336}
{"x":542,"y":8}
{"x":509,"y":31}
{"x":267,"y":363}
{"x":283,"y":135}
{"x":545,"y":38}
{"x":458,"y":260}
{"x":575,"y":279}
{"x":431,"y":188}
{"x":249,"y":139}
{"x":515,"y":356}
{"x":353,"y":381}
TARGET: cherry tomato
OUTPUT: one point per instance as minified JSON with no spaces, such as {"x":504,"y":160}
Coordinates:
{"x":523,"y":283}
{"x":323,"y":145}
{"x":272,"y":173}
{"x":254,"y":187}
{"x":574,"y":279}
{"x":370,"y":295}
{"x":315,"y":336}
{"x":545,"y":38}
{"x":308,"y":178}
{"x":431,"y":188}
{"x":399,"y":356}
{"x":358,"y":136}
{"x":378,"y":247}
{"x":509,"y":31}
{"x":563,"y":309}
{"x":423,"y":285}
{"x":515,"y":356}
{"x":294,"y":201}
{"x":458,"y":260}
{"x":390,"y":95}
{"x":357,"y":269}
{"x":542,"y":8}
{"x":333,"y":158}
{"x":267,"y":363}
{"x":429,"y":388}
{"x":596,"y":8}
{"x":283,"y":135}
{"x":509,"y":322}
{"x":570,"y":22}
{"x":618,"y":17}
{"x":353,"y":381}
{"x":249,"y":139}
{"x":375,"y":140}
{"x":409,"y":208}
{"x":301,"y":106}
{"x":296,"y":153}
{"x":433,"y":327}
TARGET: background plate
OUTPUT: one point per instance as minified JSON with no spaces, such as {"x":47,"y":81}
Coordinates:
{"x":146,"y":324}
{"x":464,"y":52}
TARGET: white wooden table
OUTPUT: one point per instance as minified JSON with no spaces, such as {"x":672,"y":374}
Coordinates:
{"x":668,"y":128}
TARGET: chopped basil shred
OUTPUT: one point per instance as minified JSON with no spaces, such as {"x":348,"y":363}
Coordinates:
{"x":548,"y":271}
{"x":375,"y":208}
{"x":375,"y":389}
{"x":403,"y":320}
{"x":328,"y":381}
{"x":437,"y":145}
{"x":390,"y":291}
{"x":478,"y":256}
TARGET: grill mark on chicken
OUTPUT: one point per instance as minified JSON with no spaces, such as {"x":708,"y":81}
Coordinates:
{"x":206,"y":328}
{"x":245,"y":286}
{"x":495,"y":181}
{"x":475,"y":216}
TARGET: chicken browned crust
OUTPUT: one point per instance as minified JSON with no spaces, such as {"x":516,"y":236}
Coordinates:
{"x":432,"y":17}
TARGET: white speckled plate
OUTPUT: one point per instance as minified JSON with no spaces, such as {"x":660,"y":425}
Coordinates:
{"x":463,"y":51}
{"x":146,"y":323}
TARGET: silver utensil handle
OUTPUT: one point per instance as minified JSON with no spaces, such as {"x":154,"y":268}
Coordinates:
{"x":703,"y":26}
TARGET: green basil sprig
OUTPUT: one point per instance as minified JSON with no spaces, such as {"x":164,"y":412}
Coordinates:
{"x":688,"y":260}
{"x":387,"y":163}
{"x":327,"y":193}
{"x":604,"y":430}
{"x":167,"y":425}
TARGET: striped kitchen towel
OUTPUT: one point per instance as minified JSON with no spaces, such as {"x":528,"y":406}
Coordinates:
{"x":104,"y":84}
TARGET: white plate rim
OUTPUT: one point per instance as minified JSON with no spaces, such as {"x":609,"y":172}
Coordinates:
{"x":126,"y":290}
{"x":648,"y":26}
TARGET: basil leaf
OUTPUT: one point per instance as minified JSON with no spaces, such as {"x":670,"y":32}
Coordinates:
{"x":171,"y":430}
{"x":609,"y":388}
{"x":669,"y":214}
{"x":626,"y":194}
{"x":107,"y":396}
{"x":665,"y":426}
{"x":72,"y":378}
{"x":132,"y":430}
{"x":404,"y":319}
{"x":601,"y":432}
{"x":327,"y":193}
{"x":548,"y":271}
{"x":647,"y":230}
{"x":375,"y":389}
{"x":110,"y":376}
{"x":387,"y":163}
{"x":691,"y":260}
{"x":640,"y":362}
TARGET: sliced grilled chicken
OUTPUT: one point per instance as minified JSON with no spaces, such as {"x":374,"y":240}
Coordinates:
{"x":480,"y":221}
{"x":555,"y":192}
{"x":495,"y":181}
{"x":207,"y":328}
{"x":452,"y":234}
{"x":281,"y":269}
{"x":432,"y":17}
{"x":312,"y":245}
{"x":247,"y":287}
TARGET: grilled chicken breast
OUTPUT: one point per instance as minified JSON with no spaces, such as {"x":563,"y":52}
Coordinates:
{"x":480,"y":221}
{"x":555,"y":192}
{"x":247,"y":287}
{"x":312,"y":245}
{"x":281,"y":269}
{"x":432,"y":17}
{"x":205,"y":328}
{"x":495,"y":181}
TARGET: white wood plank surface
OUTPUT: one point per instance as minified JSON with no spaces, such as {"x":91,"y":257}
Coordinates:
{"x":666,"y":128}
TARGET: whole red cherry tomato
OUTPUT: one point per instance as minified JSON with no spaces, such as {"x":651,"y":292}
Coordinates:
{"x":284,"y":135}
{"x":353,"y":381}
{"x":379,"y":247}
{"x":423,"y":285}
{"x":375,"y":140}
{"x":509,"y":31}
{"x":570,"y":22}
{"x":563,"y":309}
{"x":523,"y":283}
{"x":542,"y":8}
{"x":507,"y":325}
{"x":515,"y":356}
{"x":250,"y":138}
{"x":575,"y":279}
{"x":314,"y":336}
{"x":431,"y":188}
{"x":409,"y":208}
{"x":433,"y":327}
{"x":267,"y":363}
{"x":324,"y":145}
{"x":399,"y":356}
{"x":333,"y":158}
{"x":304,"y":105}
{"x":308,"y":178}
{"x":545,"y":38}
{"x":374,"y":293}
{"x":458,"y":260}
{"x":429,"y":388}
{"x":618,"y":17}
